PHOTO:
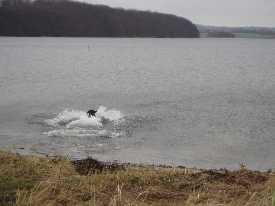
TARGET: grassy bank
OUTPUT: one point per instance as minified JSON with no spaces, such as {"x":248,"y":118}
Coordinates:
{"x":36,"y":181}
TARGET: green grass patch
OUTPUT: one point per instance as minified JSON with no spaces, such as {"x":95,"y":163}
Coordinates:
{"x":10,"y":185}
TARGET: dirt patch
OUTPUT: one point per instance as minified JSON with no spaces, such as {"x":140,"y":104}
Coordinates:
{"x":92,"y":166}
{"x":243,"y":177}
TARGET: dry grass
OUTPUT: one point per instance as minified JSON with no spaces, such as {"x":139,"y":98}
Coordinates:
{"x":23,"y":173}
{"x":33,"y":181}
{"x":33,"y":167}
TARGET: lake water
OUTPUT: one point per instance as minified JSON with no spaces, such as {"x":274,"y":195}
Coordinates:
{"x":207,"y":103}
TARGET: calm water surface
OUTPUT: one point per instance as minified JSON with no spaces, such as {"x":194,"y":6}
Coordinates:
{"x":194,"y":102}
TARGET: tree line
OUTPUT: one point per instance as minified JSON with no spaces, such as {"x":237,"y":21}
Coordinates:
{"x":70,"y":18}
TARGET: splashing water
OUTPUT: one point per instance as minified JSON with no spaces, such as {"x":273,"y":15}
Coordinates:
{"x":111,"y":115}
{"x":77,"y":123}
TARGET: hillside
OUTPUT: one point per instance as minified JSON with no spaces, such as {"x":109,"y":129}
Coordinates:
{"x":69,"y":18}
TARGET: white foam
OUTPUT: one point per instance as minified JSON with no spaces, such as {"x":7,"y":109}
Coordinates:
{"x":65,"y":117}
{"x":85,"y":122}
{"x":79,"y":132}
{"x":71,"y":133}
{"x":111,"y":115}
{"x":77,"y":123}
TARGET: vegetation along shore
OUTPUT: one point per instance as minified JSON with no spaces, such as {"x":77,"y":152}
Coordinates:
{"x":33,"y":181}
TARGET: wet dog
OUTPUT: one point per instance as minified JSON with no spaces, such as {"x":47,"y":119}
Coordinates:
{"x":91,"y":113}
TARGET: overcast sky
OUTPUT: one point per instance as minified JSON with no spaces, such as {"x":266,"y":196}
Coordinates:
{"x":209,"y":12}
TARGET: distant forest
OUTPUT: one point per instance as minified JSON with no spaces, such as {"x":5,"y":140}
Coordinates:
{"x":75,"y":19}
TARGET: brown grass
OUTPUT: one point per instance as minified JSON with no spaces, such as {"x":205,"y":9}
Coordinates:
{"x":34,"y":181}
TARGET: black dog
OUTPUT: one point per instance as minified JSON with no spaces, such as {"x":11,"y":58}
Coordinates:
{"x":91,"y":113}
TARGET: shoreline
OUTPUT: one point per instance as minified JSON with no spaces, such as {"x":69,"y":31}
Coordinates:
{"x":32,"y":181}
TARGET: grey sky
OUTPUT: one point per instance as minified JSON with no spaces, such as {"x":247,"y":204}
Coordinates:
{"x":209,"y":12}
